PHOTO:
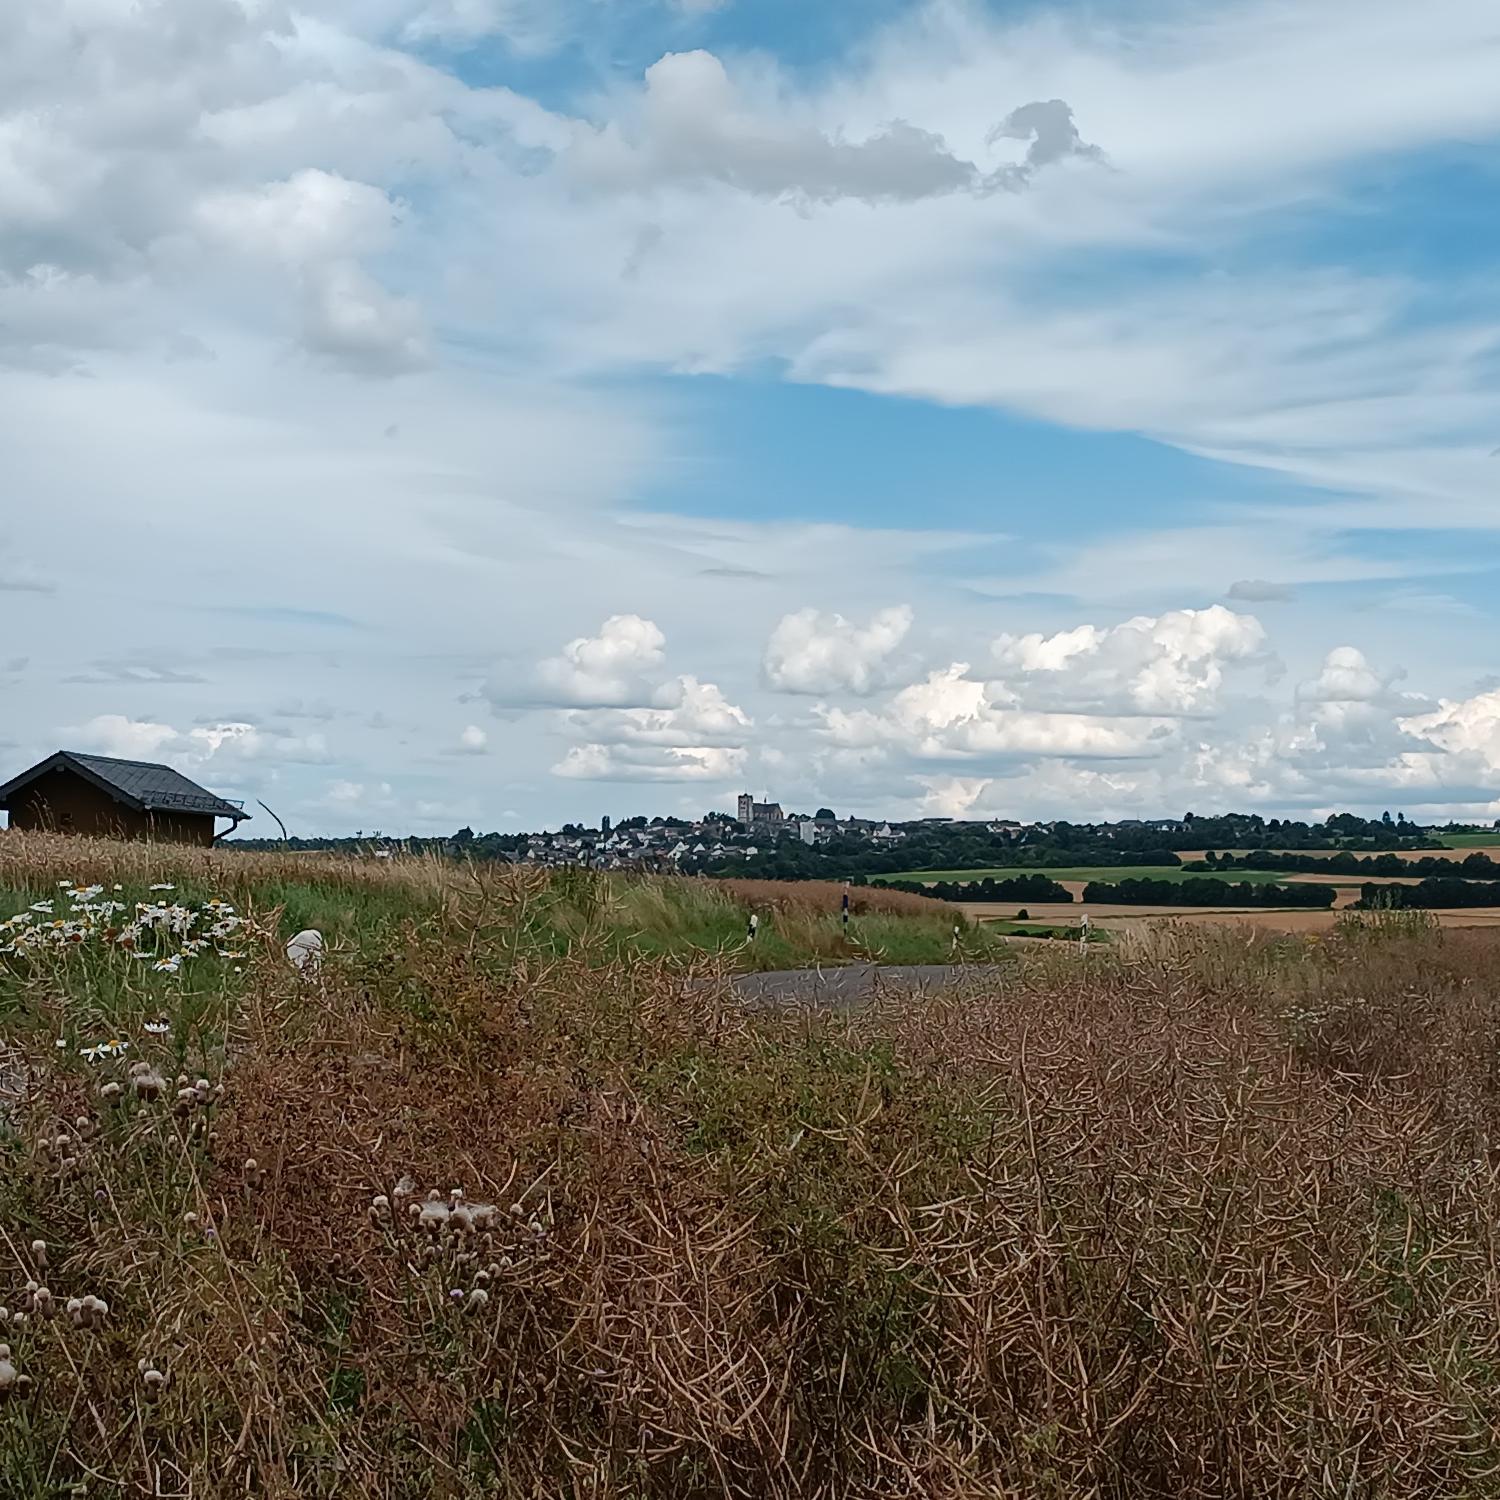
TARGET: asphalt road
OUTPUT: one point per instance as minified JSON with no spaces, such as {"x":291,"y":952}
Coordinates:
{"x":856,"y":982}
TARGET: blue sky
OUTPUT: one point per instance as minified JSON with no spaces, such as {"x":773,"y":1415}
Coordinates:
{"x":494,"y":412}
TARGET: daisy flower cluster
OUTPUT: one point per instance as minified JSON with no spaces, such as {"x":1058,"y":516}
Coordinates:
{"x":166,"y":933}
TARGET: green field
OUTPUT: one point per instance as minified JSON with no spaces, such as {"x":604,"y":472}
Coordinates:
{"x":1093,"y":872}
{"x":1045,"y":930}
{"x":1468,"y":840}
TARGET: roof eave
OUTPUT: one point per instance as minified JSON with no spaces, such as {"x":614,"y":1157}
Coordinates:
{"x":224,"y":810}
{"x":60,"y":758}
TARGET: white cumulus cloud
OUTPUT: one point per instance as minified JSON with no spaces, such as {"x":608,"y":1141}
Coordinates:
{"x":648,"y":763}
{"x":1466,"y":727}
{"x":954,"y":716}
{"x":473,"y":741}
{"x":1346,"y":677}
{"x":616,"y":668}
{"x":691,"y":733}
{"x":813,"y":652}
{"x":1170,"y":664}
{"x":685,"y":712}
{"x":231,"y":744}
{"x":310,"y":216}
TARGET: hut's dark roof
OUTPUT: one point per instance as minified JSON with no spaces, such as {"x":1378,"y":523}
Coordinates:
{"x":137,"y":783}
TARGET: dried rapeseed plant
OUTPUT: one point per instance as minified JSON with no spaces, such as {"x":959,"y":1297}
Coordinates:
{"x":87,"y":1312}
{"x":12,"y":1382}
{"x":154,"y":1379}
{"x":146,"y":1083}
{"x":35,"y":1299}
{"x":57,"y":1149}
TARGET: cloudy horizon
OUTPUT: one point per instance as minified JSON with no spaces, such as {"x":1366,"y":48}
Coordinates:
{"x":421,"y":413}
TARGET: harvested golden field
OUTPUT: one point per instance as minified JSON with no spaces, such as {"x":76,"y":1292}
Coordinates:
{"x":478,"y":1207}
{"x":1108,"y":917}
{"x":1436,"y":851}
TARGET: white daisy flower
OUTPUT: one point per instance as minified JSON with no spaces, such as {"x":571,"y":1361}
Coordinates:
{"x":158,"y":1028}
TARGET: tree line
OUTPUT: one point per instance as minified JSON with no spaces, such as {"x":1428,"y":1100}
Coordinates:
{"x":1473,"y":867}
{"x":960,"y":846}
{"x":1012,"y":888}
{"x":1146,"y":892}
{"x":1429,"y":895}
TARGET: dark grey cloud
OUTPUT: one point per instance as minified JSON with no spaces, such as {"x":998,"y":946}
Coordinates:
{"x":1260,"y":591}
{"x":727,"y":572}
{"x":134,"y":670}
{"x":22,"y":578}
{"x":1052,"y":133}
{"x":693,"y":125}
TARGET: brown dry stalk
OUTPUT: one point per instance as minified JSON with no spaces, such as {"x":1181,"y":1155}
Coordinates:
{"x":1211,"y":1218}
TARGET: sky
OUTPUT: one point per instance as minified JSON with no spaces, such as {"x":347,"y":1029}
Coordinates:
{"x":426,"y":413}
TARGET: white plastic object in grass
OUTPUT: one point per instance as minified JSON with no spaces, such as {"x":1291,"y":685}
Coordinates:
{"x":305,"y":951}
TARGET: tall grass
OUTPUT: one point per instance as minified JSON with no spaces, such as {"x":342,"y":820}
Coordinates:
{"x":1216,"y":1214}
{"x":364,"y":901}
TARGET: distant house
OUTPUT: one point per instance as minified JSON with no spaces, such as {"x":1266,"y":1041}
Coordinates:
{"x":96,"y":794}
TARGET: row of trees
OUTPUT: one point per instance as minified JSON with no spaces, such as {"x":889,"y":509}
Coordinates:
{"x":1429,"y":895}
{"x":1012,"y":888}
{"x":949,"y":846}
{"x":1472,"y":867}
{"x":1145,"y":892}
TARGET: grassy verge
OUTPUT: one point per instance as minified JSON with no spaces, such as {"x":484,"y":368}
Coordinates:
{"x":471,"y":1212}
{"x":1043,"y":930}
{"x":365,"y":904}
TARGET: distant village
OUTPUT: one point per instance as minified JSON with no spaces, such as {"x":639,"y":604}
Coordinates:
{"x":762,"y":831}
{"x":75,"y":792}
{"x":711,"y":840}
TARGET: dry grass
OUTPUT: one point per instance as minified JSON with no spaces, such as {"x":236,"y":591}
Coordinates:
{"x":45,"y":858}
{"x":824,"y":896}
{"x":1216,"y":1216}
